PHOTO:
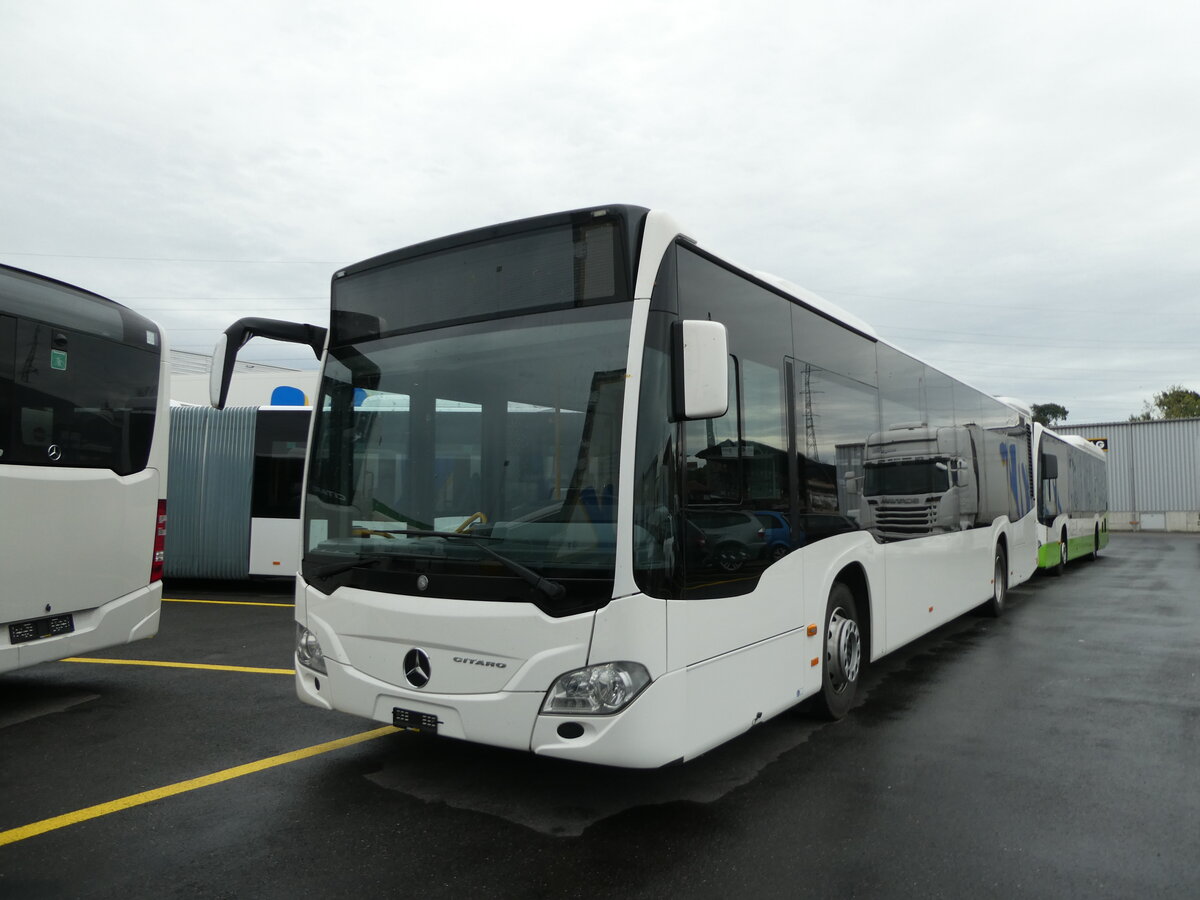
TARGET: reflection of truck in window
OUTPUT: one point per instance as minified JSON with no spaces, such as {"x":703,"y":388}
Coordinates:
{"x":920,"y":480}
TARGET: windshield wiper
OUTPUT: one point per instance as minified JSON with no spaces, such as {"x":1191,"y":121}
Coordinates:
{"x":551,"y":589}
{"x":338,"y":568}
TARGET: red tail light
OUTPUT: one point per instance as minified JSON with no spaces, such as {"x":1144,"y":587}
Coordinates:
{"x":160,"y":542}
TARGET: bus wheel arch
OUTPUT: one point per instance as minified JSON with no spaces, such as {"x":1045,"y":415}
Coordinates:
{"x":846,"y":643}
{"x":996,"y":604}
{"x":1061,"y":566}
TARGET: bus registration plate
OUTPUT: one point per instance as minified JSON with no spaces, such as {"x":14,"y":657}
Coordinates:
{"x":36,"y":629}
{"x":409,"y":720}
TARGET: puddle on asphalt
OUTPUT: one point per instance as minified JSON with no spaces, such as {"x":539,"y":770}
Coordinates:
{"x":33,"y":703}
{"x":564,"y":799}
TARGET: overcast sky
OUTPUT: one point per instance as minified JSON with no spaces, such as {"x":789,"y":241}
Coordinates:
{"x":1009,"y":191}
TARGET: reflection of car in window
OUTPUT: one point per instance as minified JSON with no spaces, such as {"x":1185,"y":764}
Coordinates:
{"x":733,"y":537}
{"x":818,"y":526}
{"x":777,"y":534}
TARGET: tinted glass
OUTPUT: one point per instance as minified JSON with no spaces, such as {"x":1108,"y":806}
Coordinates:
{"x":506,"y":432}
{"x":1081,"y":486}
{"x":74,"y":399}
{"x":837,"y":416}
{"x":549,"y":268}
{"x":901,"y":389}
{"x":28,"y":296}
{"x":661,"y":538}
{"x":737,"y":465}
{"x":947,"y":457}
{"x":279,"y":448}
{"x":833,"y":347}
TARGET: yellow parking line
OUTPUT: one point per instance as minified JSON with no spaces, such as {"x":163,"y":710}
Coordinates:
{"x":103,"y":809}
{"x":227,"y":602}
{"x":177,"y":665}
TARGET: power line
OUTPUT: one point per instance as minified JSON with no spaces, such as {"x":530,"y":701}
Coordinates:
{"x":124,"y":297}
{"x":179,"y":259}
{"x":1046,"y":309}
{"x":319,"y":306}
{"x":1058,"y":343}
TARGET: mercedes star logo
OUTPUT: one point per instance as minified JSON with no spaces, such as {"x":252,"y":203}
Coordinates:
{"x":416,"y":668}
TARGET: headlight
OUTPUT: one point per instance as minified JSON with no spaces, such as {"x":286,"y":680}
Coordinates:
{"x":308,"y":650}
{"x":597,"y":690}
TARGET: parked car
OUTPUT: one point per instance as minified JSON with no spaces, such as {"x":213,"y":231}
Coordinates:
{"x":732,"y":536}
{"x":777,"y":534}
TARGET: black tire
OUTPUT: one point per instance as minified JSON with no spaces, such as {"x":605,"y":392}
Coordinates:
{"x":999,"y":600}
{"x":1096,"y":544}
{"x":842,"y":666}
{"x":1062,"y":556}
{"x":730,"y":556}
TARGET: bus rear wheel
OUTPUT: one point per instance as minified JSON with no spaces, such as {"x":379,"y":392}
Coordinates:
{"x":1062,"y":555}
{"x":1096,"y":544}
{"x":995,"y":606}
{"x":843,"y":662}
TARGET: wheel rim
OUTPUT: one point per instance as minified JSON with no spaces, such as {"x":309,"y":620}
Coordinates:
{"x":1062,"y":553}
{"x":843,"y":651}
{"x":731,"y":558}
{"x":1000,"y":582}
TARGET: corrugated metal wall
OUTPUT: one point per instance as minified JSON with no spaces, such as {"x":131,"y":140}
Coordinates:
{"x":1153,"y":467}
{"x":211,"y":470}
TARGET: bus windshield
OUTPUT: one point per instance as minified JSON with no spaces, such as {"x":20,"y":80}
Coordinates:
{"x":454,"y":454}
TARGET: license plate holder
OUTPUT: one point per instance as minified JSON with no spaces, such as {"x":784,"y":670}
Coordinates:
{"x":411,"y":720}
{"x":36,"y":629}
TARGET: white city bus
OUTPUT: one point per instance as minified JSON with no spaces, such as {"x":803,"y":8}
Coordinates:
{"x":83,"y":471}
{"x":1072,"y":499}
{"x":579,"y":486}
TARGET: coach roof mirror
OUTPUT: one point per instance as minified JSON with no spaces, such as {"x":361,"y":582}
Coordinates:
{"x":701,"y":369}
{"x":239,"y":333}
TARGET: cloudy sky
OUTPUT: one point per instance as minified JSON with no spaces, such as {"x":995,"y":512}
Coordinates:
{"x":1007,"y":190}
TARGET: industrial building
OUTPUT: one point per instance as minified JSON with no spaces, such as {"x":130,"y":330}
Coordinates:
{"x":1153,"y":472}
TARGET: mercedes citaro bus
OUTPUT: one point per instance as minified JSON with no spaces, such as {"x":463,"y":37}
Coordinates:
{"x":541,"y":456}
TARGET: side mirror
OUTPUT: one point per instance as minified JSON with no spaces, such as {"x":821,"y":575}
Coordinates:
{"x":239,"y":334}
{"x":701,"y":369}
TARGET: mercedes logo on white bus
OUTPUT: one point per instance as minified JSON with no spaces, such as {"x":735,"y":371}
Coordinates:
{"x":416,"y":668}
{"x":53,"y":452}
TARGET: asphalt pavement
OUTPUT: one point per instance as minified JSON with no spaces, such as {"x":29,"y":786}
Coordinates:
{"x":1054,"y":752}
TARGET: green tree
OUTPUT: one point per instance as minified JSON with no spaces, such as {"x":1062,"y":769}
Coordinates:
{"x":1176,"y":402}
{"x":1048,"y":413}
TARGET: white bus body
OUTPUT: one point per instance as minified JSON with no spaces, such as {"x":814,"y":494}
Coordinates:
{"x":531,"y":441}
{"x":83,"y":471}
